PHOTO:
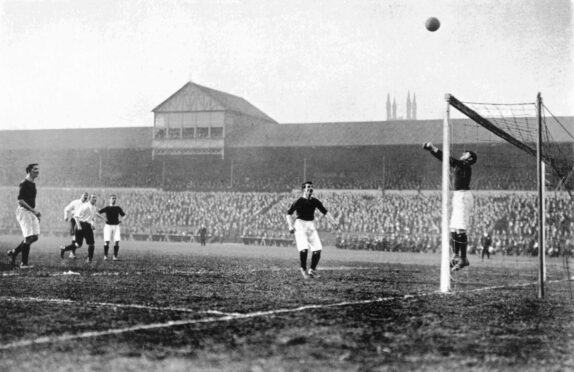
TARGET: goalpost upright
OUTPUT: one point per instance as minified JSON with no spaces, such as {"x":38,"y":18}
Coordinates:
{"x":540,"y":190}
{"x":445,"y":233}
{"x":532,"y":149}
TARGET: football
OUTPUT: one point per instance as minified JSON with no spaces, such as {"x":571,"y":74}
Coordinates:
{"x":432,"y":24}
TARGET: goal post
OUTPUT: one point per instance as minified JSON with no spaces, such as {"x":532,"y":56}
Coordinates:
{"x":540,"y":169}
{"x":532,"y":146}
{"x":445,"y":231}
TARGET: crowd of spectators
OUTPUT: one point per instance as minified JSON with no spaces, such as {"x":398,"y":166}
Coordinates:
{"x":407,"y":221}
{"x":266,"y":171}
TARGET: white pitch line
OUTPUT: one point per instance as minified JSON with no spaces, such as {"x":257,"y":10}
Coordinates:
{"x":234,"y":316}
{"x":110,"y":304}
{"x":195,"y":272}
{"x":46,"y":339}
{"x":276,"y":269}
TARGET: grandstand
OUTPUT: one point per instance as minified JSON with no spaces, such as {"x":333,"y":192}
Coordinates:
{"x":203,"y":139}
{"x":213,"y":157}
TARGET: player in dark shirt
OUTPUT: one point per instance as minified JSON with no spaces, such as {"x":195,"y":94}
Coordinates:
{"x":485,"y":242}
{"x":306,"y":236}
{"x":462,"y":203}
{"x":202,"y":235}
{"x":112,"y":226}
{"x":27,"y":215}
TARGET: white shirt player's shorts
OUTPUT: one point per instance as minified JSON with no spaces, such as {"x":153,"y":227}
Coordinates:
{"x":306,"y":236}
{"x":29,"y":223}
{"x":112,"y":233}
{"x":462,"y":205}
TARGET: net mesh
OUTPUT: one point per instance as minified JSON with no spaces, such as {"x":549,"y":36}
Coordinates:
{"x":505,"y":138}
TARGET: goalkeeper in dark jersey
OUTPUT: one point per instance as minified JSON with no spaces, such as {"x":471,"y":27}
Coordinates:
{"x":306,"y":236}
{"x":462,"y":203}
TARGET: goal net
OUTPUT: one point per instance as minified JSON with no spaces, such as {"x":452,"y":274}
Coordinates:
{"x":522,"y":185}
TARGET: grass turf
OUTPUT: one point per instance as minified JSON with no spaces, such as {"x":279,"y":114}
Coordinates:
{"x":178,"y":307}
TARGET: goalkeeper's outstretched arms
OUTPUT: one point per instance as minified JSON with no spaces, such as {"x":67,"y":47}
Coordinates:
{"x":430,"y":147}
{"x":433,"y":150}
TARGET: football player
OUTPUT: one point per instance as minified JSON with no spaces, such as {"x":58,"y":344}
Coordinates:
{"x":462,"y":203}
{"x":112,"y":226}
{"x":306,"y":235}
{"x":28,"y":216}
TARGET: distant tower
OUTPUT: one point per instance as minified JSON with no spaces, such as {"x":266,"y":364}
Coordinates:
{"x":409,"y":105}
{"x":414,"y":107}
{"x":388,"y":107}
{"x":394,"y":109}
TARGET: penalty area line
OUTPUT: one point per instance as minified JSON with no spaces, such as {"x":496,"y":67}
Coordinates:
{"x":229,"y":317}
{"x":111,"y":304}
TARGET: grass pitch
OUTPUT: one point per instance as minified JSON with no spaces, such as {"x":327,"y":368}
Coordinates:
{"x":182,"y":307}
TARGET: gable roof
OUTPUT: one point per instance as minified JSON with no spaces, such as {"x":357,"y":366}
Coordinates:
{"x":228,"y":101}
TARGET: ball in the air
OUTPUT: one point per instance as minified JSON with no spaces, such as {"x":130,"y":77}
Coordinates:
{"x":432,"y":24}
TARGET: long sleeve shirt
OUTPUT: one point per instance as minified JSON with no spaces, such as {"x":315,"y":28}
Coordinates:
{"x":305,"y":208}
{"x":70,"y":208}
{"x":86,"y":213}
{"x":462,"y":171}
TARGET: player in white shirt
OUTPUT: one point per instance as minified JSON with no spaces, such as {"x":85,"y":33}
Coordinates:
{"x":69,"y":217}
{"x":85,"y":224}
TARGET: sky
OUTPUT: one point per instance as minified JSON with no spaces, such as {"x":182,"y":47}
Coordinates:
{"x":109,"y":63}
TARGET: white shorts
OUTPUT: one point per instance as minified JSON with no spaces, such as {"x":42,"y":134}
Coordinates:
{"x":462,"y":205}
{"x":306,"y":236}
{"x":29,"y":223}
{"x":112,"y":233}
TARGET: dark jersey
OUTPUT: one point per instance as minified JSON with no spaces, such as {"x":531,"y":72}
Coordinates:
{"x":462,"y":171}
{"x":28,"y":192}
{"x":305,"y":208}
{"x":112,"y":214}
{"x":486,"y":241}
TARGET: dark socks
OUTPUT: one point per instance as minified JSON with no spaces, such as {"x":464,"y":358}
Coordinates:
{"x":72,"y":247}
{"x":25,"y":253}
{"x":315,"y":257}
{"x":18,"y":249}
{"x":91,"y":251}
{"x":453,"y":243}
{"x":461,"y":243}
{"x":303,"y":259}
{"x":116,"y":249}
{"x":106,"y":249}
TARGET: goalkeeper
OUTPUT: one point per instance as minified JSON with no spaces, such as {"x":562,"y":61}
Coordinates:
{"x":462,"y":203}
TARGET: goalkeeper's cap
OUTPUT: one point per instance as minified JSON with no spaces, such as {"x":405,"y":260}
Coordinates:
{"x":473,"y":157}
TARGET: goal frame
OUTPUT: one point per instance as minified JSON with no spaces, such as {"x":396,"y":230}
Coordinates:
{"x":451,"y":101}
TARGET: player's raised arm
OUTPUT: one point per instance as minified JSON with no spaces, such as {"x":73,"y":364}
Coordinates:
{"x":435,"y":151}
{"x":430,"y":147}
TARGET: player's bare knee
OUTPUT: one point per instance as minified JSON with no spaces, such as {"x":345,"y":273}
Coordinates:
{"x":31,"y":239}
